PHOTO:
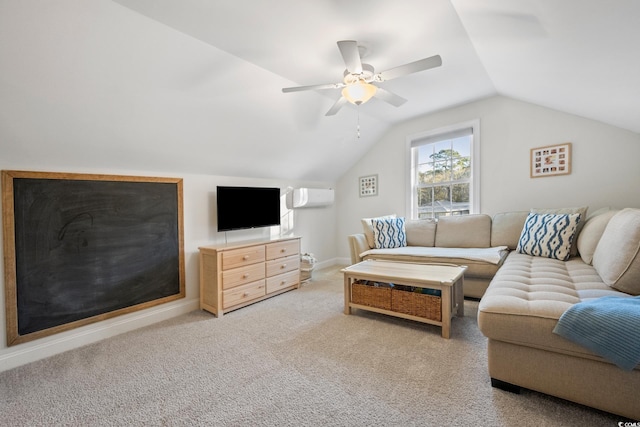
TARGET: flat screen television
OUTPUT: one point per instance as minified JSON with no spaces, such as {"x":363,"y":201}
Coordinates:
{"x":247,"y":207}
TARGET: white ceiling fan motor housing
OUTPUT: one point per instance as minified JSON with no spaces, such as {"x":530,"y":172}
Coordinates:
{"x":366,"y":75}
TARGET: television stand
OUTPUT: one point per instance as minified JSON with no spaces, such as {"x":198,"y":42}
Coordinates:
{"x":234,"y":275}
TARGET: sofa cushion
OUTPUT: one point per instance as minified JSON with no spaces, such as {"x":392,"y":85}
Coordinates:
{"x":601,"y":211}
{"x":583,"y":217}
{"x":421,"y":232}
{"x":528,"y":295}
{"x":591,"y":234}
{"x":367,"y":228}
{"x":617,"y":256}
{"x":548,"y":235}
{"x":464,"y":231}
{"x":480,"y":262}
{"x":506,"y":228}
{"x":389,"y":233}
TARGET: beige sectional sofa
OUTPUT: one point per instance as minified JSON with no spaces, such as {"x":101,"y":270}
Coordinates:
{"x":524,"y":296}
{"x":528,"y":296}
{"x":478,"y":241}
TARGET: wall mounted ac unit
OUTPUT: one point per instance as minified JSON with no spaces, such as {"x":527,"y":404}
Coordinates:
{"x":309,"y":197}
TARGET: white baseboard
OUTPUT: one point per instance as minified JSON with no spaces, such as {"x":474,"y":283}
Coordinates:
{"x":332,"y":262}
{"x":22,"y":354}
{"x":343,"y":261}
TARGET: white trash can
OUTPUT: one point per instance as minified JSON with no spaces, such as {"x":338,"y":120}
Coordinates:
{"x":307,"y":263}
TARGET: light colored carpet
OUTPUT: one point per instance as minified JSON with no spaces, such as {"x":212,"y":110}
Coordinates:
{"x":292,"y":360}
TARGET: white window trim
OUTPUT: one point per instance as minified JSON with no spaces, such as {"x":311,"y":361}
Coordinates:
{"x":475,"y":163}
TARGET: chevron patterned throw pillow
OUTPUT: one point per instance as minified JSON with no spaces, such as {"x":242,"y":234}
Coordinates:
{"x":548,"y":235}
{"x":389,"y":233}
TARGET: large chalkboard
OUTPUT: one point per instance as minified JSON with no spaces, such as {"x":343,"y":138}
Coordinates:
{"x":81,"y":248}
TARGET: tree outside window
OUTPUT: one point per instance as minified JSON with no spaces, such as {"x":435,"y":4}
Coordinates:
{"x":442,"y":183}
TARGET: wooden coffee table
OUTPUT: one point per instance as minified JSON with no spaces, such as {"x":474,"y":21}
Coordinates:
{"x":447,"y":278}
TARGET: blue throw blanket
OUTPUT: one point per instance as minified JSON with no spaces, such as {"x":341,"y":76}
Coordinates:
{"x":608,"y":326}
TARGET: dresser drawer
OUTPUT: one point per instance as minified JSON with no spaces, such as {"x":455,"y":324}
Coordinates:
{"x":242,"y":294}
{"x":283,"y":281}
{"x":282,"y":249}
{"x":283,"y":265}
{"x":242,"y":256}
{"x":242,"y":275}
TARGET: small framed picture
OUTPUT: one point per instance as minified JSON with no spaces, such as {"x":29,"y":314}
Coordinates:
{"x":550,"y":160}
{"x":368,"y":185}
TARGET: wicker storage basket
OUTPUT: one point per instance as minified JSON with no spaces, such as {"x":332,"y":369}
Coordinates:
{"x":372,"y":296}
{"x":416,"y":304}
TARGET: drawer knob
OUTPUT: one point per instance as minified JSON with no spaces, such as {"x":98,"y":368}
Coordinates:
{"x":244,"y":276}
{"x":246,"y":257}
{"x":283,"y":283}
{"x":283,"y":266}
{"x":246,"y":294}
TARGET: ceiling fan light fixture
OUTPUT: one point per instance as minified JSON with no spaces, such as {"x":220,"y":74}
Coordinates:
{"x":359,"y":92}
{"x":358,"y":76}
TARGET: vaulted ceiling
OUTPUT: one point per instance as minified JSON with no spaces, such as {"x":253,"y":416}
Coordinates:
{"x":217,"y":106}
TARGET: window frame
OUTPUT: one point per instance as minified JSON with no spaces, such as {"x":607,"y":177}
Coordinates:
{"x":474,"y":192}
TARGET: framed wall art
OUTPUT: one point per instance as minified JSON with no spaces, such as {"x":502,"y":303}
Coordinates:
{"x":551,"y":160}
{"x":368,"y":185}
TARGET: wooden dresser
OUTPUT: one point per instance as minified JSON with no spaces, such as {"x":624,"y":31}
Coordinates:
{"x":234,"y":275}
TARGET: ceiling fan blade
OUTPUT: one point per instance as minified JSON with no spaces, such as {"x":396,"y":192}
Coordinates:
{"x":313,"y":87}
{"x":337,"y":106}
{"x":351,"y":55}
{"x":412,"y":67}
{"x":389,"y":97}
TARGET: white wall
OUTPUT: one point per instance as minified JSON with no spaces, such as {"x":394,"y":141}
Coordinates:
{"x":605,"y":168}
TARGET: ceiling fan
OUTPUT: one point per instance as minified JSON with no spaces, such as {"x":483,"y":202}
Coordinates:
{"x":358,"y":83}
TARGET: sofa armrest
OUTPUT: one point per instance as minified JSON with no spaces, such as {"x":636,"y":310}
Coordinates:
{"x":357,"y":245}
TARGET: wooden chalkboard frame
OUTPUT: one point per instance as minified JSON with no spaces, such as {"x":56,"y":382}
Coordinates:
{"x":9,"y":215}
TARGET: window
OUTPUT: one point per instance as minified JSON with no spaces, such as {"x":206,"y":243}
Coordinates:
{"x":444,"y":172}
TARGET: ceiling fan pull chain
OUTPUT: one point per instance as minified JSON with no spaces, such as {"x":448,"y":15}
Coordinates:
{"x":358,"y":128}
